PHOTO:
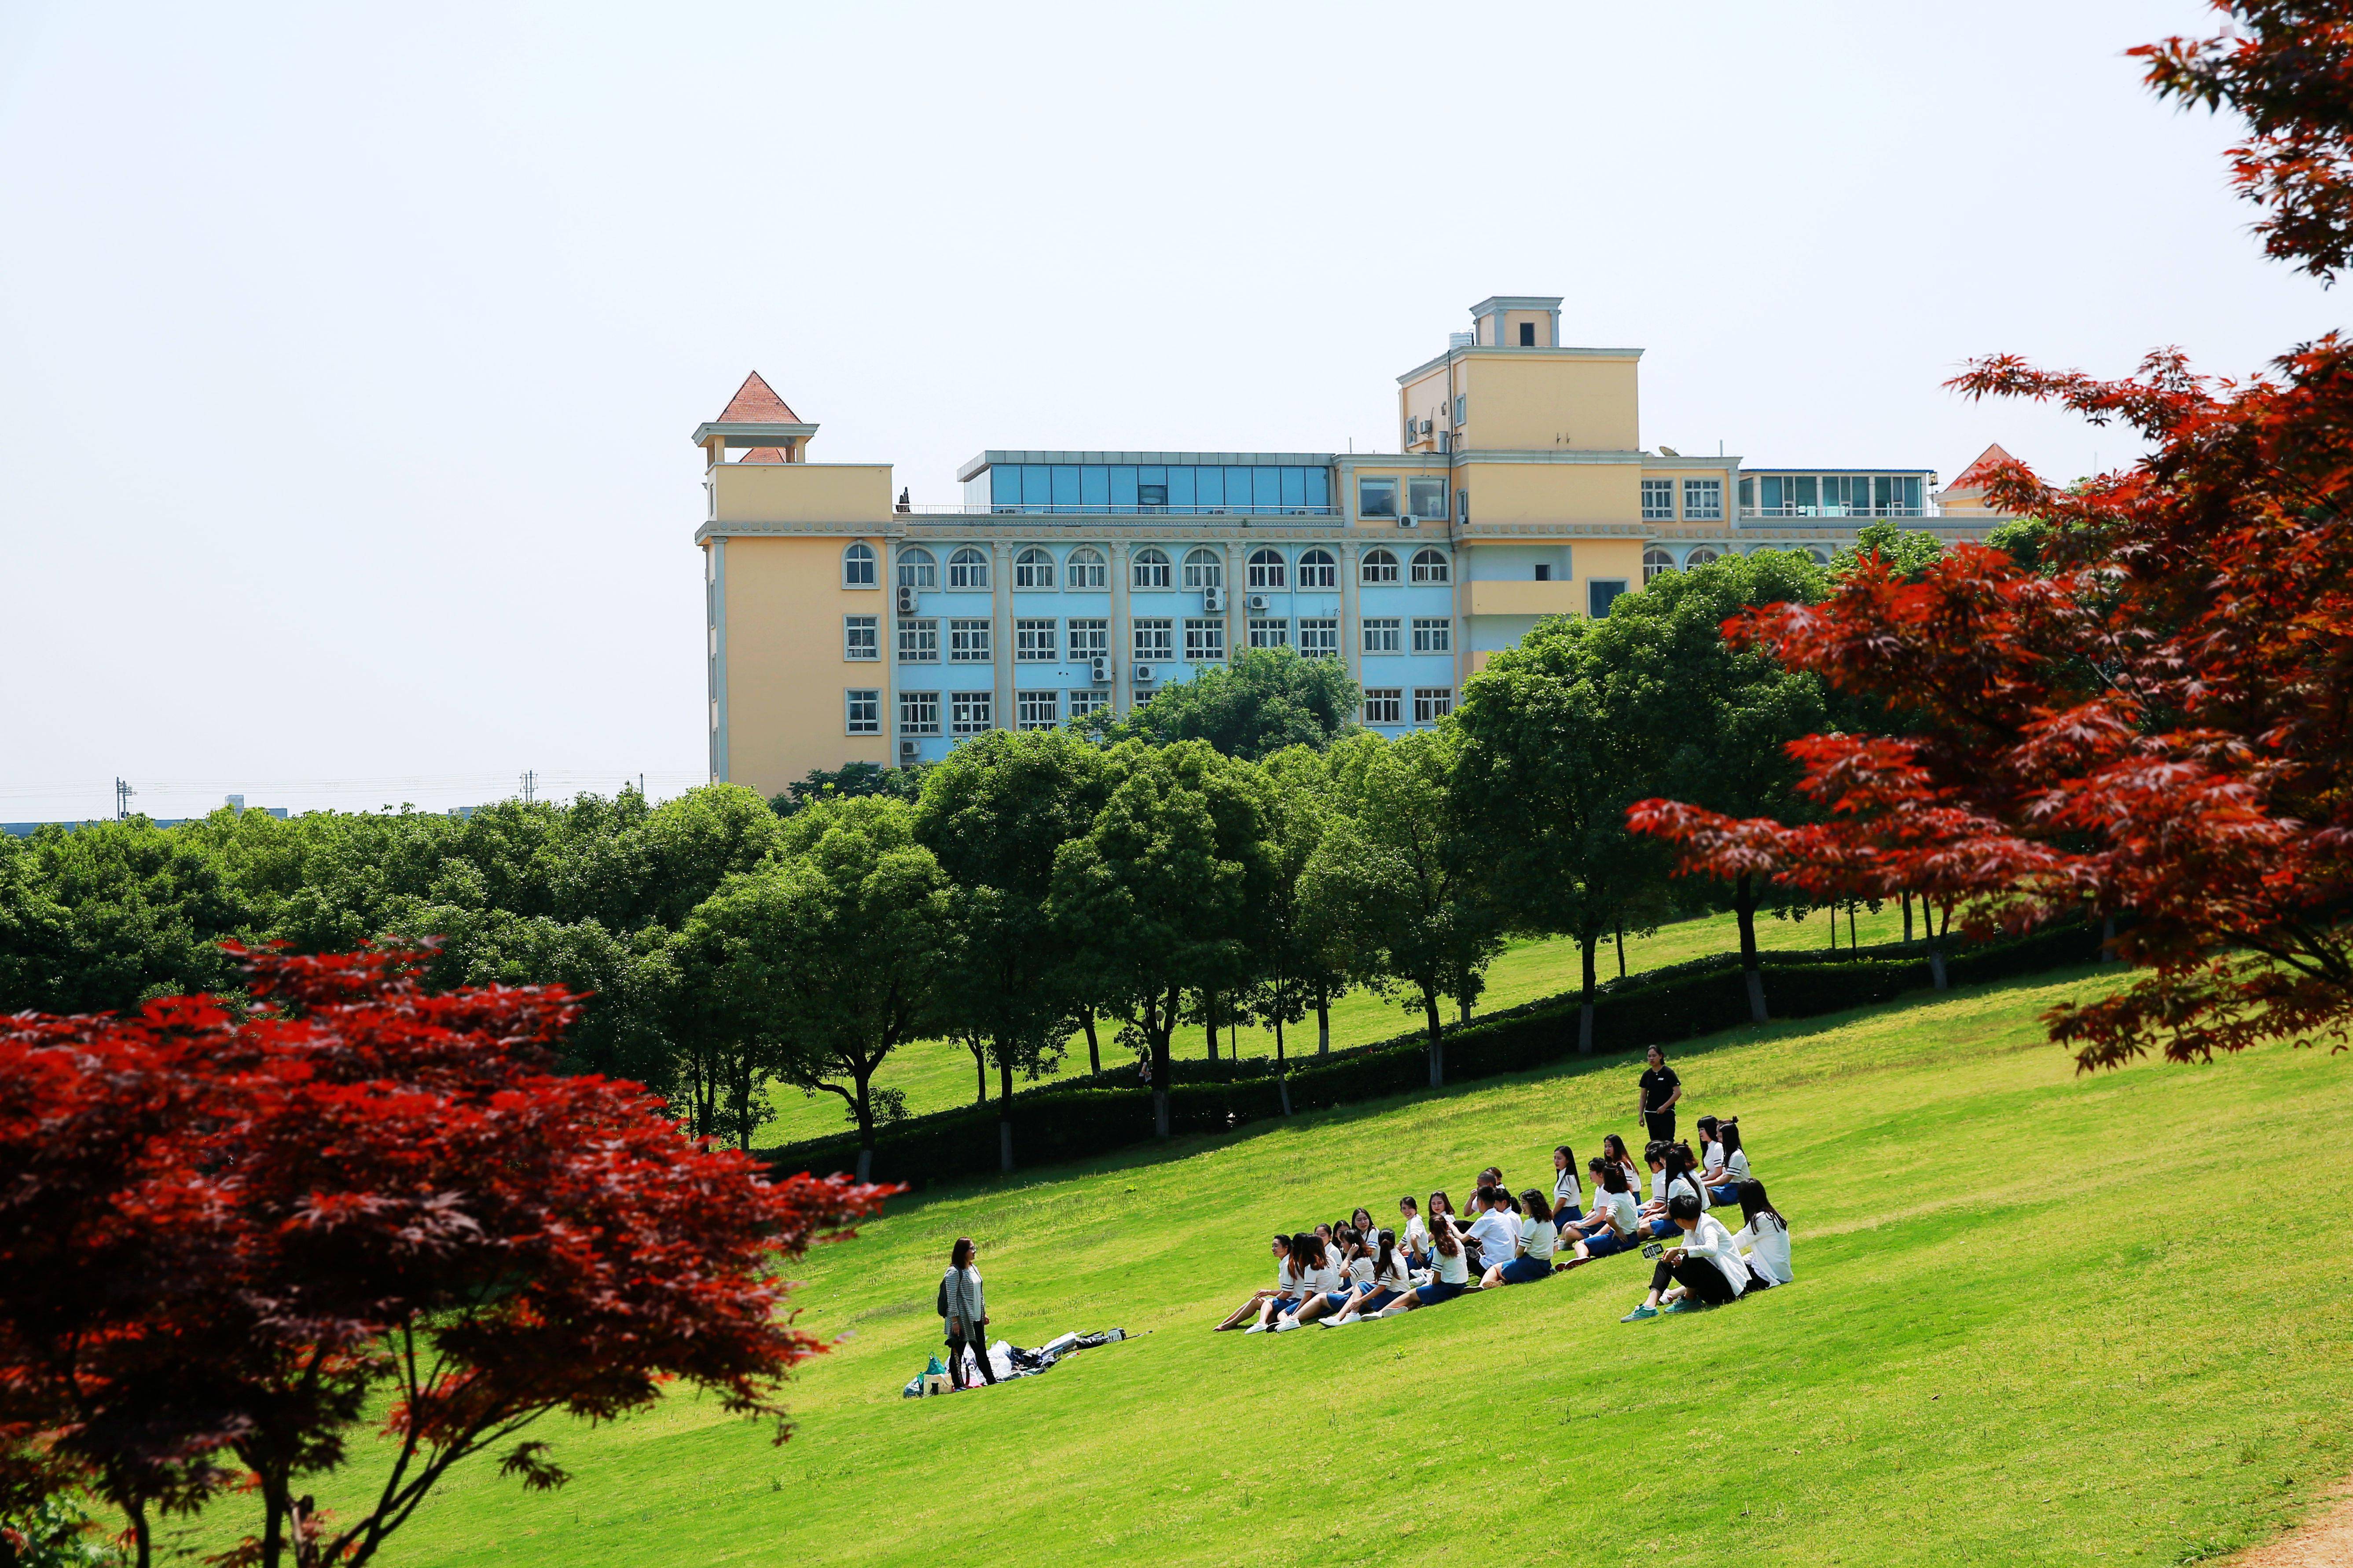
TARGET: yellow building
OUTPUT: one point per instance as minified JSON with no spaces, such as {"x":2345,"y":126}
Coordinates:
{"x":844,"y":626}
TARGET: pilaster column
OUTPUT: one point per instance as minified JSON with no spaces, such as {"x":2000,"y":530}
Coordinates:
{"x":1123,"y":643}
{"x":887,"y":635}
{"x":1236,"y":598}
{"x":1000,"y":640}
{"x":1352,"y":634}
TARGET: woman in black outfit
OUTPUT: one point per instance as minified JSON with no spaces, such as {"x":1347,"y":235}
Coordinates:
{"x":1660,"y":1089}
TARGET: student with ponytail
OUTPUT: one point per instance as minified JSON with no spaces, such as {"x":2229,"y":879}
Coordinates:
{"x":1450,"y":1273}
{"x":1764,"y":1241}
{"x":1736,"y":1165}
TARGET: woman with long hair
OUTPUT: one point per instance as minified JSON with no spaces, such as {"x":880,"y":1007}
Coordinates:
{"x":1450,"y":1269}
{"x":1319,"y":1281}
{"x":1568,"y":1198}
{"x":1611,"y":1226}
{"x":1283,"y":1284}
{"x":1735,"y":1164}
{"x":1530,"y":1259}
{"x":967,"y":1311}
{"x":1391,"y":1280}
{"x":1614,"y":1149}
{"x":1764,"y":1240}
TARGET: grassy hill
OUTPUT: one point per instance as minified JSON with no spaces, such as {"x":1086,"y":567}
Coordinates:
{"x":2038,"y":1319}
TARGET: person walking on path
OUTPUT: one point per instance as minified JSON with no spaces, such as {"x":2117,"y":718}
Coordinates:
{"x":966,"y":1312}
{"x":1660,"y":1089}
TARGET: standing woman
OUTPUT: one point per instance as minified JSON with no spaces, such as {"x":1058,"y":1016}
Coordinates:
{"x":968,"y":1313}
{"x":1660,"y":1089}
{"x":1568,"y":1201}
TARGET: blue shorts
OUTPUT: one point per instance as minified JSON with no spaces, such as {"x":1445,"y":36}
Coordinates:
{"x":1437,"y":1290}
{"x":1607,"y":1241}
{"x":1289,"y":1305}
{"x":1568,"y":1215}
{"x":1526,"y":1271}
{"x":1335,"y":1300}
{"x":1378,"y":1299}
{"x":1663,"y":1227}
{"x":1723,"y":1197}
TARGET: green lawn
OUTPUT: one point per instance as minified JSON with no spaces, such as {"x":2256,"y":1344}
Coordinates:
{"x":938,"y":1075}
{"x":2038,"y":1319}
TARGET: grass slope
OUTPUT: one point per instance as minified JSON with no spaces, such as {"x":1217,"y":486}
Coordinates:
{"x":2038,"y":1319}
{"x":937,"y":1075}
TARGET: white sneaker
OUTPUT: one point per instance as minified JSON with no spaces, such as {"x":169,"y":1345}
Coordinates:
{"x":1287,"y":1325}
{"x":1255,"y":1328}
{"x":1336,"y":1322}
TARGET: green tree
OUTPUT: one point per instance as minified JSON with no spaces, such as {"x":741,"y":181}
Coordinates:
{"x":1268,"y":699}
{"x":848,"y":780}
{"x":1293,"y":956}
{"x":1154,"y":900}
{"x":1909,"y":551}
{"x":1394,"y":878}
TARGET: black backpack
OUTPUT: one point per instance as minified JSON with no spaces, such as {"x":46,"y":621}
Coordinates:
{"x":943,"y":1296}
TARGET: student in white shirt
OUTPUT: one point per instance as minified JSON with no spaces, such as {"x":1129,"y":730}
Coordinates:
{"x":1614,"y":1149}
{"x":1495,"y":1231}
{"x":1611,"y":1226}
{"x":1256,"y":1305}
{"x":1320,"y":1286}
{"x":1390,"y":1279}
{"x":1532,"y":1247}
{"x":1361,"y":1222}
{"x":1291,"y":1279}
{"x":1726,"y":1188}
{"x":1450,"y":1271}
{"x":1764,"y":1240}
{"x":1675,"y":1174}
{"x":1707,"y":1266}
{"x":1567,"y":1200}
{"x":1417,"y":1235}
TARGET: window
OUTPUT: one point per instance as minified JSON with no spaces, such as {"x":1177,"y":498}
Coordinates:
{"x":1319,"y":637}
{"x":858,"y":567}
{"x":1154,"y":641}
{"x":1600,"y":591}
{"x":1085,"y":702}
{"x":1461,"y":406}
{"x":1269,"y":631}
{"x":1527,"y":334}
{"x":1149,"y":569}
{"x":1037,"y":709}
{"x":1151,"y":497}
{"x":1318,"y":570}
{"x":1658,"y":501}
{"x":1428,"y":566}
{"x":968,"y":568}
{"x":1381,"y":634}
{"x":1087,"y":569}
{"x":1089,"y":640}
{"x":1463,"y":507}
{"x":1700,"y":557}
{"x":1749,"y":495}
{"x":1384,"y":705}
{"x":861,"y":638}
{"x":1818,"y":558}
{"x":1655,"y":561}
{"x":919,"y":642}
{"x":1033,"y":568}
{"x":967,"y":641}
{"x":1432,"y":635}
{"x":1266,"y":569}
{"x":1205,"y":641}
{"x":1204,"y":570}
{"x":968,"y":712}
{"x":1377,"y":498}
{"x":1703,"y":500}
{"x":1378,"y":567}
{"x":1035,"y":642}
{"x":1544,"y":571}
{"x":862,"y":711}
{"x":1791,"y":495}
{"x":1432,"y":704}
{"x":919,"y":712}
{"x":1893,"y":495}
{"x":1426,"y":499}
{"x":917,"y":569}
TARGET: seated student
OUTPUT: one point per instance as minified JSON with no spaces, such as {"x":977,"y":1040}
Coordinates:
{"x":1567,"y":1200}
{"x":1390,"y":1279}
{"x":1764,"y":1240}
{"x":1710,"y":1152}
{"x":1361,"y":1222}
{"x":1440,"y":1204}
{"x":1291,"y":1282}
{"x":1706,"y":1264}
{"x":1535,"y":1244}
{"x":1614,"y":1149}
{"x":1450,"y":1273}
{"x":1351,"y":1270}
{"x":1416,"y":1245}
{"x":1611,"y":1226}
{"x":1284,"y":1286}
{"x":1319,"y":1276}
{"x":1675,"y":1175}
{"x":1496,"y":1231}
{"x":1727,"y":1188}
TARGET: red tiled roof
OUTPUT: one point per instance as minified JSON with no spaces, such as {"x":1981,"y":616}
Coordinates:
{"x":755,"y":401}
{"x":763,"y":454}
{"x":1975,"y":475}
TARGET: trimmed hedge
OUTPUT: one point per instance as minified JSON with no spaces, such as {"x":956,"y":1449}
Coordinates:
{"x":1098,"y":1114}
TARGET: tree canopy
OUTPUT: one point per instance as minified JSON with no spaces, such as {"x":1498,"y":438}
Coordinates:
{"x":1267,"y":700}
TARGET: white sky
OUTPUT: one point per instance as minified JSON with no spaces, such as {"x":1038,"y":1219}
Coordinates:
{"x":348,"y":354}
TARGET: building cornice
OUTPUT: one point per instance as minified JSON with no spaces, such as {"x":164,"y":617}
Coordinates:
{"x":752,"y":432}
{"x":1488,"y":351}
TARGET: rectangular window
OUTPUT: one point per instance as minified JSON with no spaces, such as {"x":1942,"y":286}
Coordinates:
{"x":968,"y":642}
{"x":1381,"y":634}
{"x":1152,"y":498}
{"x":1544,"y":571}
{"x":1384,"y":705}
{"x":863,"y":710}
{"x":1747,"y":495}
{"x":1154,"y":641}
{"x":1461,"y":406}
{"x":1319,"y":637}
{"x":968,"y":712}
{"x":1426,"y":499}
{"x":1037,"y":709}
{"x":919,"y":712}
{"x":1085,"y":702}
{"x":861,"y":638}
{"x":1432,"y":704}
{"x":1527,"y":334}
{"x":1205,"y":641}
{"x":1090,"y":639}
{"x":1269,"y":631}
{"x":1035,"y":642}
{"x":1432,"y":636}
{"x":919,"y":642}
{"x":1377,"y":498}
{"x":1658,"y":501}
{"x":1703,"y":500}
{"x":1600,"y":591}
{"x":1463,"y":507}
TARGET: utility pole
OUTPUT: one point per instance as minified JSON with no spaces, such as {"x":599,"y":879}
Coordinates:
{"x":122,"y":793}
{"x":530,"y":785}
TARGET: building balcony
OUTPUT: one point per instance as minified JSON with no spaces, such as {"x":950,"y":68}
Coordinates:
{"x":1857,"y":513}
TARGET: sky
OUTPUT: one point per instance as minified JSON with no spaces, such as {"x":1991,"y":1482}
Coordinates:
{"x":349,"y":355}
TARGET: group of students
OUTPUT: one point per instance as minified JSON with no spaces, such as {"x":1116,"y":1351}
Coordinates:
{"x":1348,"y":1271}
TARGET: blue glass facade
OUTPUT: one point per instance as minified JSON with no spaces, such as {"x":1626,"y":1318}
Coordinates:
{"x":1183,"y":489}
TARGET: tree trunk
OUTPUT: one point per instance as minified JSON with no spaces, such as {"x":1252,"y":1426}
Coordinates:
{"x":1622,"y":949}
{"x":1907,"y":915}
{"x":1436,"y":1039}
{"x":1323,"y":1023}
{"x":1944,"y":928}
{"x":1094,"y":1046}
{"x":1005,"y":1106}
{"x":1834,"y":926}
{"x":1850,"y":926}
{"x":1744,"y":904}
{"x":1937,"y":967}
{"x":1281,"y":1073}
{"x":865,"y":1104}
{"x":2107,"y":938}
{"x":1587,"y":941}
{"x":980,"y":1071}
{"x":1158,"y":1026}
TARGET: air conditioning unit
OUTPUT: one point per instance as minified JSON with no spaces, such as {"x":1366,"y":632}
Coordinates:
{"x":906,"y":598}
{"x":910,"y":750}
{"x":1102,"y":672}
{"x":1213,"y":600}
{"x":1408,"y":523}
{"x":1258,"y":601}
{"x":1144,"y":674}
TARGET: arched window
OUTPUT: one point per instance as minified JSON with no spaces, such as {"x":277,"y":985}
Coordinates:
{"x":1033,"y":568}
{"x":1655,"y":561}
{"x":968,"y":568}
{"x":1266,"y":569}
{"x":1701,"y":556}
{"x":1378,"y":567}
{"x":1818,"y":558}
{"x":1428,"y":566}
{"x":1149,"y":569}
{"x":1318,"y":570}
{"x":858,"y":567}
{"x":917,"y":569}
{"x":1087,"y":570}
{"x":1204,"y":570}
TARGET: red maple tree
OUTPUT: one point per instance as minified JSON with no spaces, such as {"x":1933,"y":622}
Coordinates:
{"x":226,"y":1232}
{"x":2152,"y":717}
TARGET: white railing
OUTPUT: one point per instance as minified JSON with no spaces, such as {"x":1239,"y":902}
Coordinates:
{"x":1026,"y":510}
{"x":1839,"y":511}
